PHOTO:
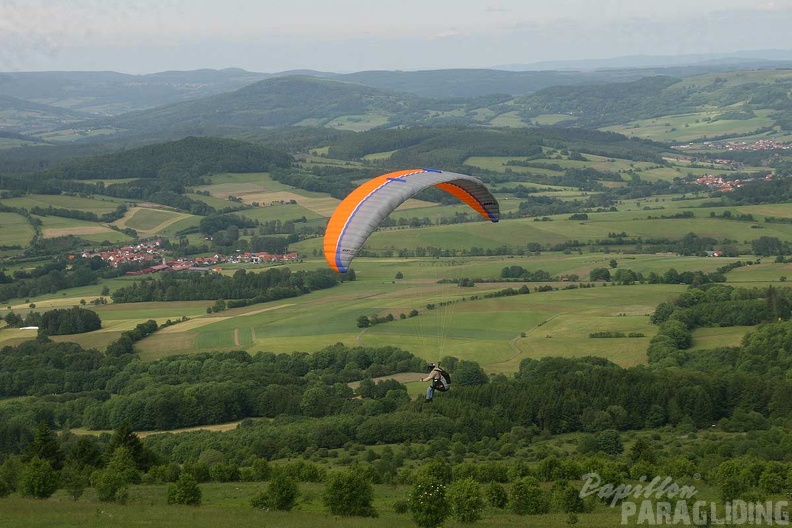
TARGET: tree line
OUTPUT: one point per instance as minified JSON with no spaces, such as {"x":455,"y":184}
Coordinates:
{"x":269,"y":285}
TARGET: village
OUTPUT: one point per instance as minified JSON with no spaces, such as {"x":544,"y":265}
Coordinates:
{"x":762,"y":144}
{"x":152,"y":252}
{"x":717,"y":183}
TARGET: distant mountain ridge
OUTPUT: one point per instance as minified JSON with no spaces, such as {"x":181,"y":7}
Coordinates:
{"x":113,"y":93}
{"x":742,"y":59}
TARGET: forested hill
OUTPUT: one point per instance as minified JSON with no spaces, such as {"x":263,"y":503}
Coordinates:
{"x":598,"y":106}
{"x":314,"y":101}
{"x":451,"y":146}
{"x":182,"y":160}
{"x":156,"y":173}
{"x":272,"y":103}
{"x":113,"y":92}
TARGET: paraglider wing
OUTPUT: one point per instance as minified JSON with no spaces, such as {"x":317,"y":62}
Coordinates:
{"x":359,"y":214}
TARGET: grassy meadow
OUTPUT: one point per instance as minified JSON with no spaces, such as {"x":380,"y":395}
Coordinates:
{"x":496,"y":332}
{"x":229,"y":503}
{"x":14,"y":230}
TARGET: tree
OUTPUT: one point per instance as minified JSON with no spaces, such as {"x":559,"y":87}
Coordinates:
{"x":349,"y":493}
{"x":599,"y":274}
{"x":624,"y":276}
{"x":13,"y":319}
{"x":566,"y":497}
{"x":112,"y":482}
{"x":11,"y":472}
{"x":613,"y":263}
{"x":74,"y":480}
{"x":185,"y":491}
{"x":5,"y":488}
{"x":642,"y":450}
{"x":609,"y":442}
{"x":281,"y":494}
{"x":399,"y":275}
{"x":39,"y":479}
{"x":527,"y":498}
{"x":124,"y":437}
{"x":465,"y":500}
{"x":84,"y":453}
{"x":428,"y":501}
{"x":469,"y":373}
{"x":496,"y":495}
{"x":46,"y":446}
{"x":678,"y":332}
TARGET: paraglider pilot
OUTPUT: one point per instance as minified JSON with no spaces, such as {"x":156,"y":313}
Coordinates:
{"x":439,"y":381}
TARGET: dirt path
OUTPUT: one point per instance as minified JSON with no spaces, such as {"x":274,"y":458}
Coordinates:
{"x":236,"y":336}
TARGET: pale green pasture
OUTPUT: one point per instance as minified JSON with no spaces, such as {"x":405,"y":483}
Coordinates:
{"x":147,"y":219}
{"x":279,"y":212}
{"x":358,"y":123}
{"x":94,"y":205}
{"x":781,"y":210}
{"x":508,"y":119}
{"x":690,"y":127}
{"x":767,"y":271}
{"x":185,"y":223}
{"x":704,"y":338}
{"x":482,"y":330}
{"x":483,"y":114}
{"x":464,"y":236}
{"x":379,"y":155}
{"x":260,"y":183}
{"x":577,"y":313}
{"x":122,"y":313}
{"x":557,"y":264}
{"x":110,"y":182}
{"x":11,"y":143}
{"x":217,"y":203}
{"x":520,"y":232}
{"x":552,"y":119}
{"x":55,"y":226}
{"x":109,"y":236}
{"x":15,"y":336}
{"x":565,"y":195}
{"x":260,"y":178}
{"x":15,"y":230}
{"x":228,"y":504}
{"x":64,"y":298}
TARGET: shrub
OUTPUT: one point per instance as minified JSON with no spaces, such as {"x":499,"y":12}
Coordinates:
{"x":349,"y":493}
{"x":280,"y":495}
{"x":465,"y":500}
{"x":185,"y":491}
{"x":496,"y":495}
{"x":38,"y":480}
{"x":527,"y":498}
{"x":427,"y":502}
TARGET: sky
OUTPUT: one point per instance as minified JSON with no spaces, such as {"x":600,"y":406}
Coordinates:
{"x":147,"y":36}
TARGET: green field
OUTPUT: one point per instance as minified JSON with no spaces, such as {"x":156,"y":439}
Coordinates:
{"x":56,"y":226}
{"x":692,"y":127}
{"x":498,"y":333}
{"x":229,"y":504}
{"x":15,"y":230}
{"x":98,"y":205}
